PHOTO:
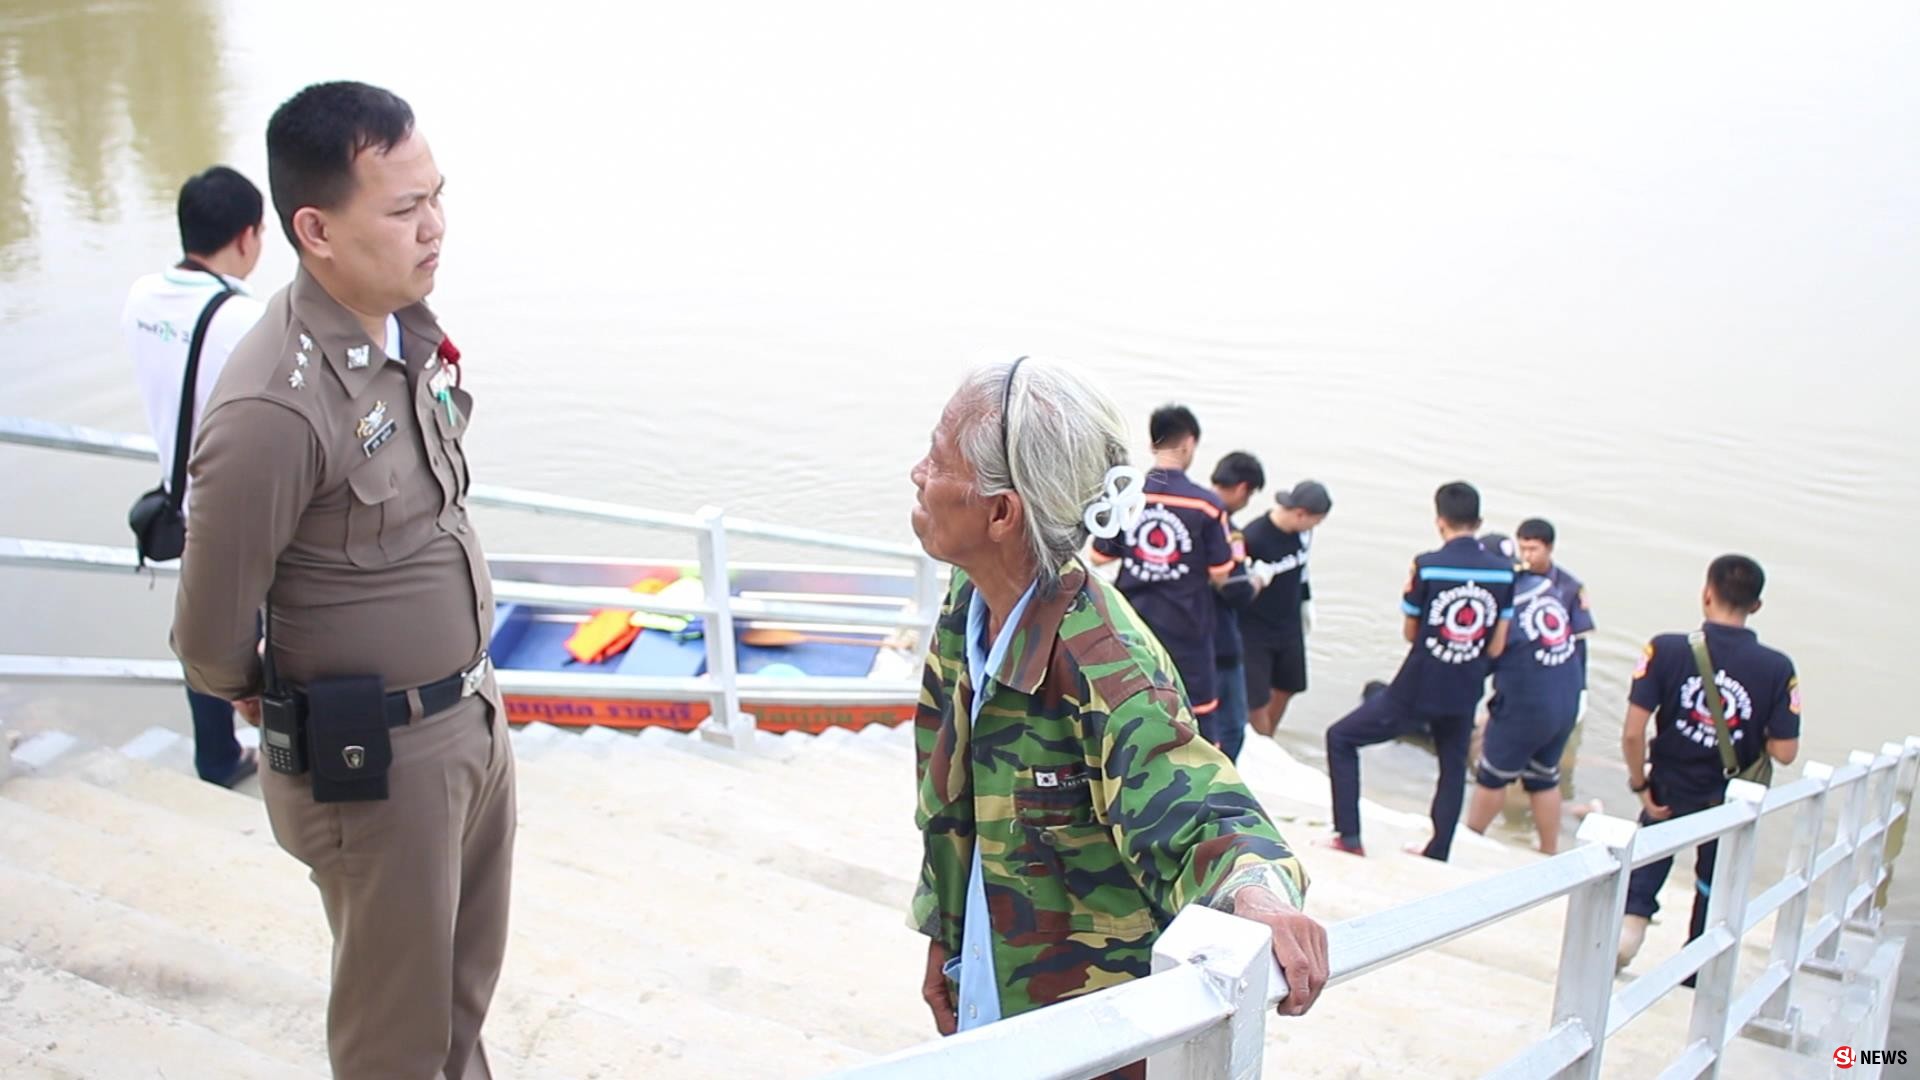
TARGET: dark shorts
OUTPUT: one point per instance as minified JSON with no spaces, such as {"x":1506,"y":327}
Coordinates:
{"x":1275,"y":660}
{"x":1524,"y":740}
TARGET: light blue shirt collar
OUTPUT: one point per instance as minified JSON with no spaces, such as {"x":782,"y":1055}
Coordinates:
{"x":979,"y":1002}
{"x":981,"y":663}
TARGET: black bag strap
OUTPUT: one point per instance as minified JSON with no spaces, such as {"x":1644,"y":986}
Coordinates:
{"x":1723,"y":736}
{"x":183,"y":432}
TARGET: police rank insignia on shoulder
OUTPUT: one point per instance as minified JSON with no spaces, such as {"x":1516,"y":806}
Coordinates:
{"x":306,"y":343}
{"x":374,"y":429}
{"x":357,"y":356}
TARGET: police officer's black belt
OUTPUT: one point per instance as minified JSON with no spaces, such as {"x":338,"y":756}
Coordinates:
{"x":435,"y":697}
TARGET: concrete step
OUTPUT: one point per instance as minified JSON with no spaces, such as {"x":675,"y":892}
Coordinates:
{"x":44,"y":752}
{"x":73,"y":831}
{"x":542,"y":904}
{"x":838,"y":857}
{"x":246,"y":997}
{"x":790,"y":929}
{"x":103,"y":1034}
{"x":860,"y":851}
{"x":21,"y":1062}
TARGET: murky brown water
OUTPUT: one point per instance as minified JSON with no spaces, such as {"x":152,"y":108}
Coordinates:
{"x":1646,"y":272}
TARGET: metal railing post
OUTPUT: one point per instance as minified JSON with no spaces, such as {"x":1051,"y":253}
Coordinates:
{"x":1882,"y":778}
{"x":1591,"y":940}
{"x":1846,"y":832}
{"x":1860,"y":864}
{"x":1897,"y":832}
{"x":1233,"y":953}
{"x":728,"y":725}
{"x":1726,"y":910}
{"x":1778,"y":1019}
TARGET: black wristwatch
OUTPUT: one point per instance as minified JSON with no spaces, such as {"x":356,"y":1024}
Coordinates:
{"x":1637,"y":790}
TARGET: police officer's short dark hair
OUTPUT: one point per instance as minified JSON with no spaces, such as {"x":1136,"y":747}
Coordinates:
{"x":1737,"y":581}
{"x":215,"y":207}
{"x":1535,"y":529}
{"x":1240,"y":467}
{"x":1171,"y":423}
{"x":1458,"y":504}
{"x":315,"y":136}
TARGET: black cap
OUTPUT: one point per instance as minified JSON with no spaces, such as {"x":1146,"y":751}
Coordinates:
{"x":1500,"y":544}
{"x":1308,"y":495}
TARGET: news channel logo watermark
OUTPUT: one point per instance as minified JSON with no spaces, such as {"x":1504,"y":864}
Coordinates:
{"x":1847,"y":1057}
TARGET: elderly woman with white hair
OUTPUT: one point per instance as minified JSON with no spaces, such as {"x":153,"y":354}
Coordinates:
{"x":1068,"y":806}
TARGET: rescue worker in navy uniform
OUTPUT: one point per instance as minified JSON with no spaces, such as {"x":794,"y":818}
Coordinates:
{"x":1175,"y":556}
{"x":1538,"y":684}
{"x":1760,"y":697}
{"x":1458,"y":602}
{"x":329,"y":483}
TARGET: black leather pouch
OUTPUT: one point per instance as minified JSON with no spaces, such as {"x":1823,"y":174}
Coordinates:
{"x":347,"y":739}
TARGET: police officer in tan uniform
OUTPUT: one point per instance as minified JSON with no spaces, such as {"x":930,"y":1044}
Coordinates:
{"x":329,"y":483}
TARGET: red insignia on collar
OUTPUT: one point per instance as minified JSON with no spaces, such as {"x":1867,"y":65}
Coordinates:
{"x":450,"y":354}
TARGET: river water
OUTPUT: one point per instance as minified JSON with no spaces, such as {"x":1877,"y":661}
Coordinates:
{"x":1646,"y":271}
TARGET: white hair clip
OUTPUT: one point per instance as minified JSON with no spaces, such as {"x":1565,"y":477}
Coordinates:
{"x":1120,"y":504}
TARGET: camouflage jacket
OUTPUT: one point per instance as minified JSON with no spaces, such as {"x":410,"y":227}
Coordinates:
{"x":1099,"y":810}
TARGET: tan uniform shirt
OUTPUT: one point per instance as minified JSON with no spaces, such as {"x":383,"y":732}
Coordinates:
{"x":331,"y":475}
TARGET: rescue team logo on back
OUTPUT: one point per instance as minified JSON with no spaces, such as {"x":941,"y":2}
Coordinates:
{"x":1460,"y":620}
{"x":1544,"y":619}
{"x":1695,"y":718}
{"x":1158,"y":540}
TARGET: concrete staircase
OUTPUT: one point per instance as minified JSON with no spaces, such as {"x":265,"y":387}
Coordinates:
{"x":679,"y":910}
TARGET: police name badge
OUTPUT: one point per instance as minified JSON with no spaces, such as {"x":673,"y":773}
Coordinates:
{"x":357,"y":356}
{"x":374,"y":429}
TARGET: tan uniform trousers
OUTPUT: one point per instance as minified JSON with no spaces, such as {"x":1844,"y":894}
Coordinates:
{"x":416,"y":890}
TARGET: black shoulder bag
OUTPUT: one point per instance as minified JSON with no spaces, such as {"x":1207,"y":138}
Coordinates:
{"x":157,"y":519}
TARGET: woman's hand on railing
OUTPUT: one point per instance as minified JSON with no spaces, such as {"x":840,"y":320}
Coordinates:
{"x":1299,"y":946}
{"x":933,"y":990}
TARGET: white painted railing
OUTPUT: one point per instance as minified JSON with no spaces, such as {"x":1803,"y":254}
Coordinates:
{"x":722,"y":685}
{"x":1202,"y":1013}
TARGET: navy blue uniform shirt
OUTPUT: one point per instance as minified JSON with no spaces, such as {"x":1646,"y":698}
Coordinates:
{"x":1459,"y":593}
{"x":1165,"y":558}
{"x":1758,"y":687}
{"x":1543,"y":656}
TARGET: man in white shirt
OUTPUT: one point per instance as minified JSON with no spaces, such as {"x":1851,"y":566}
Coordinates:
{"x":221,"y":231}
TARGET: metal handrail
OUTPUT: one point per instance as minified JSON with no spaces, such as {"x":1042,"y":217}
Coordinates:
{"x":60,"y":555}
{"x":710,"y":528}
{"x":1165,"y":1016}
{"x":46,"y":435}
